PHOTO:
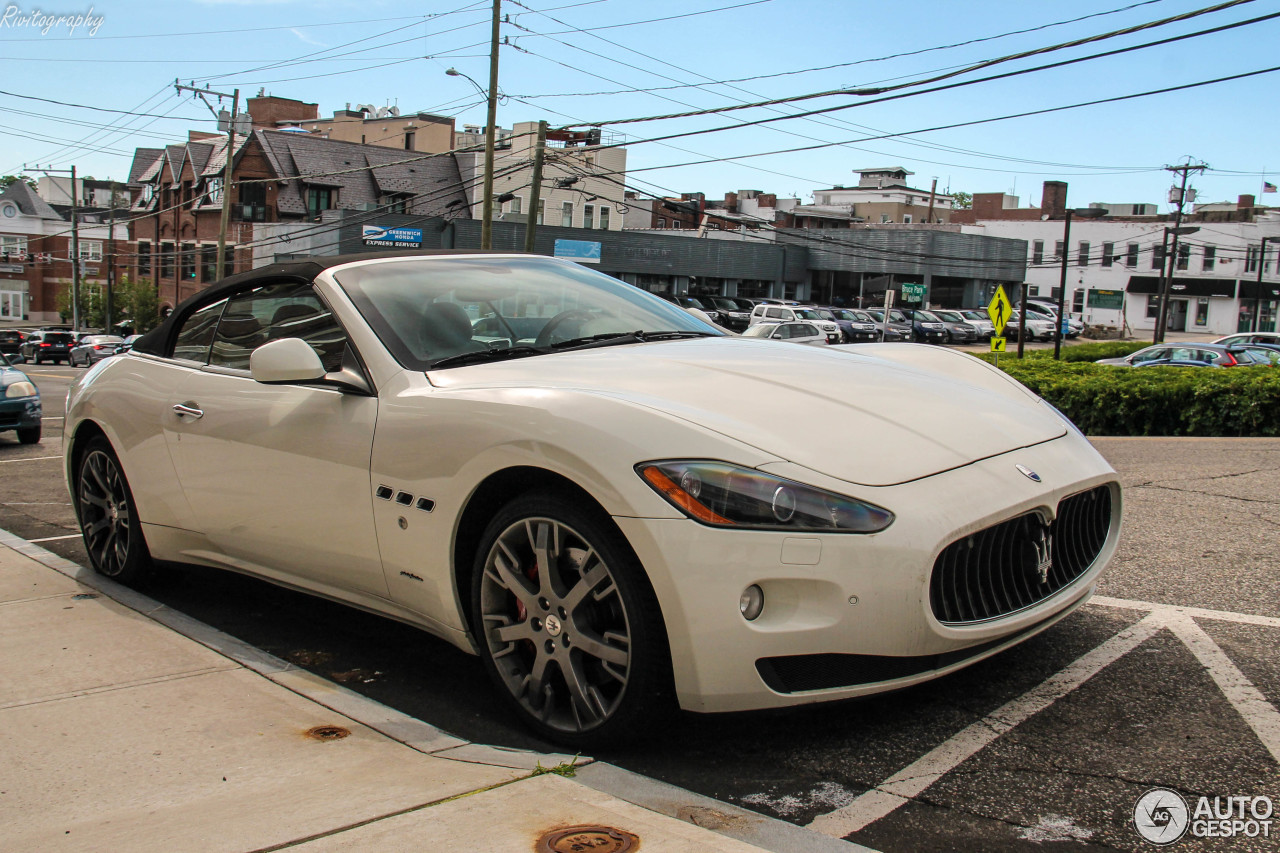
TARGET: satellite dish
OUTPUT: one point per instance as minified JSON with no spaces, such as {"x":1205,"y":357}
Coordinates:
{"x":1044,"y":218}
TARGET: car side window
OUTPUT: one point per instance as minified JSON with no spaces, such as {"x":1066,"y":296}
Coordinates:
{"x":273,"y":312}
{"x":804,"y":331}
{"x":775,"y":314}
{"x":196,"y":333}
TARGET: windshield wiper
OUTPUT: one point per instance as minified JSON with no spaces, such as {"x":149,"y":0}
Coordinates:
{"x":639,"y":336}
{"x":484,"y":355}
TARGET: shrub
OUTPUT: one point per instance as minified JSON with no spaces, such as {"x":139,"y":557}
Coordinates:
{"x":1108,"y":400}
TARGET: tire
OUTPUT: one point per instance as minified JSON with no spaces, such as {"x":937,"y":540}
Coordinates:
{"x":108,"y":518}
{"x":581,"y":656}
{"x":36,"y":359}
{"x":30,"y":435}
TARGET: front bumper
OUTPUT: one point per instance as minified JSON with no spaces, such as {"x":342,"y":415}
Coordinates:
{"x":22,"y":413}
{"x":829,"y":595}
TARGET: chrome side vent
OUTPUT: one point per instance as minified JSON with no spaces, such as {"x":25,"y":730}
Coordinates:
{"x":426,"y":504}
{"x":404,"y":498}
{"x":383,"y":493}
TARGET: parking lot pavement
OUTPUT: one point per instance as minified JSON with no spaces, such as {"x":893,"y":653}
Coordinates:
{"x":1169,"y":678}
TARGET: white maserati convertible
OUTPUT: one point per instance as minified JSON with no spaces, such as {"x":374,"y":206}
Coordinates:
{"x":616,"y":506}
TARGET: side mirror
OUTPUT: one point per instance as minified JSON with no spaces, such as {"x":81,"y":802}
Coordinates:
{"x":285,"y":360}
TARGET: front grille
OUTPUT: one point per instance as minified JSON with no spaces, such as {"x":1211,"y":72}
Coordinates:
{"x":1020,"y":562}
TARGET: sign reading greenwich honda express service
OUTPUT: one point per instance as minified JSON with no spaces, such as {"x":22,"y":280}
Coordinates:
{"x":582,"y":251}
{"x":392,"y":238}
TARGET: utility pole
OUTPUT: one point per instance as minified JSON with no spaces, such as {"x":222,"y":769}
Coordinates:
{"x":486,"y":216}
{"x":1257,"y":294}
{"x":226,"y":172}
{"x":535,"y":191}
{"x":111,"y":265}
{"x":1062,"y":287}
{"x":1171,"y":257}
{"x":933,"y":189}
{"x":75,"y":242}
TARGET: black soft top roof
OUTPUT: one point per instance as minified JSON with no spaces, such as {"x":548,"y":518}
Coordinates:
{"x":157,"y":341}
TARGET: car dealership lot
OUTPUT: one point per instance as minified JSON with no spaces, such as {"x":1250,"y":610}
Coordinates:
{"x":1054,"y":740}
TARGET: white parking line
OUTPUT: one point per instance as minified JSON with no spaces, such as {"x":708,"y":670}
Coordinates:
{"x":31,"y":459}
{"x":913,"y":779}
{"x":1194,"y":612}
{"x":1260,"y":714}
{"x":55,"y":538}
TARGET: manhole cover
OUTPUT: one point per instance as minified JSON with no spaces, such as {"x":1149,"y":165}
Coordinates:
{"x":327,"y":732}
{"x":84,"y":596}
{"x":587,"y":839}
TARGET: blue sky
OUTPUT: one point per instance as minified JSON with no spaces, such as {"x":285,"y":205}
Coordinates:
{"x":336,"y":52}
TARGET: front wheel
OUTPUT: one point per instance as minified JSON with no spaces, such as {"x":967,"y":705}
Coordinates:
{"x":30,"y":435}
{"x":108,"y":516}
{"x":567,"y":624}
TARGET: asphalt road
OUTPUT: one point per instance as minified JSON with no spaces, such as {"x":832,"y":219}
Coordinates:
{"x":1046,"y":746}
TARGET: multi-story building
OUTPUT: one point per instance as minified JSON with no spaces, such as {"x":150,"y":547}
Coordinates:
{"x":385,"y":126}
{"x":278,"y":177}
{"x":882,"y":197}
{"x":35,"y":255}
{"x":56,"y":189}
{"x":1115,"y":263}
{"x":583,"y":176}
{"x":753,"y":209}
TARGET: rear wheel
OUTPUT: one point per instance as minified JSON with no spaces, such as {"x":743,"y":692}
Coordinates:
{"x":30,"y":435}
{"x":567,"y":624}
{"x":108,"y":518}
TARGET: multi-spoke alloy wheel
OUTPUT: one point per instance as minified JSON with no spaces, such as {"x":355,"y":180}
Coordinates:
{"x":566,"y":623}
{"x":107,"y":519}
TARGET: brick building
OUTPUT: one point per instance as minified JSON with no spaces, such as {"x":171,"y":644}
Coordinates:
{"x":35,"y":255}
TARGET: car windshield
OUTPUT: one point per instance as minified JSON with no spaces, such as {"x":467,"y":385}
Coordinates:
{"x":761,"y":330}
{"x":806,"y":314}
{"x":926,"y":317}
{"x":428,"y":310}
{"x":973,"y":315}
{"x":825,"y":314}
{"x":951,"y":316}
{"x":723,"y":304}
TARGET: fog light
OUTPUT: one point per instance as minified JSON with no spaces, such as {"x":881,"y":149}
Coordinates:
{"x":751,"y":602}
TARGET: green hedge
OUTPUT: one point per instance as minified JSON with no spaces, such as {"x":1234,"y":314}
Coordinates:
{"x":1108,"y":400}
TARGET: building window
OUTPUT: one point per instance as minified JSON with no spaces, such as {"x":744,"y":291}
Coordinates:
{"x":662,"y":222}
{"x":1153,"y":306}
{"x":1077,"y":300}
{"x":1108,"y":254}
{"x":228,"y":260}
{"x":10,"y":245}
{"x":516,"y":203}
{"x":144,"y":258}
{"x":1157,"y":257}
{"x":1082,"y":254}
{"x":542,"y":209}
{"x":166,"y":260}
{"x":566,"y":214}
{"x":189,"y":261}
{"x":253,"y":203}
{"x":588,"y":216}
{"x":677,"y":224}
{"x":394,"y":203}
{"x":604,"y":218}
{"x":408,"y":140}
{"x":1033,"y":290}
{"x":1210,"y":258}
{"x":213,"y":191}
{"x":1037,"y":252}
{"x":1251,"y":259}
{"x":90,"y":250}
{"x":319,"y":199}
{"x":1202,"y":311}
{"x":209,"y":262}
{"x":1131,"y":255}
{"x":906,"y":219}
{"x":1059,"y":250}
{"x":884,"y":218}
{"x":1184,"y":256}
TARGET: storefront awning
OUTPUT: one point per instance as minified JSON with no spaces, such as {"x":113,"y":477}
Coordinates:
{"x":1184,"y":286}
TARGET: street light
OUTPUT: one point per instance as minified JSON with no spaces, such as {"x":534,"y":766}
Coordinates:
{"x":1083,"y":213}
{"x":486,"y":215}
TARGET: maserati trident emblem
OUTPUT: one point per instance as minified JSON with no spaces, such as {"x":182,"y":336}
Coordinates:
{"x":1043,"y":543}
{"x":1028,"y":473}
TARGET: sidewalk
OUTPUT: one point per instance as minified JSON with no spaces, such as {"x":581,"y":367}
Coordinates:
{"x":125,"y":725}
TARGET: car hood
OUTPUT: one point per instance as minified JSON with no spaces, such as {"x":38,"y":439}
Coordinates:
{"x":895,"y":415}
{"x":9,"y":375}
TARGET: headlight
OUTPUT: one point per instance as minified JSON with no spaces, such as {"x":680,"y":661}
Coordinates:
{"x":20,"y":389}
{"x":723,"y":495}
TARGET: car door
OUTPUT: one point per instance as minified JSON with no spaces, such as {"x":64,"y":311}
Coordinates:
{"x":277,"y":476}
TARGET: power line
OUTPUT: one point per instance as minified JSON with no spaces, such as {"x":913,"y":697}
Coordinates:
{"x":96,"y":109}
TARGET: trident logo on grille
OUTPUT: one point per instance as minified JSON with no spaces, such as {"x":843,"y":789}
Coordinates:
{"x":1043,"y":542}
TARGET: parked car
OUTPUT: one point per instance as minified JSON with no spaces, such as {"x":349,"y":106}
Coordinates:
{"x":1269,"y":338}
{"x":697,"y":304}
{"x":19,"y":403}
{"x":126,"y":344}
{"x":799,"y":332}
{"x":734,"y":315}
{"x":93,"y":349}
{"x":1046,"y":310}
{"x":769,"y":314}
{"x":43,"y":346}
{"x":959,"y":329}
{"x":1201,"y":355}
{"x":856,"y":325}
{"x":925,"y":327}
{"x":11,"y":341}
{"x":1038,"y":328}
{"x":586,"y":512}
{"x":980,"y":321}
{"x":899,"y":327}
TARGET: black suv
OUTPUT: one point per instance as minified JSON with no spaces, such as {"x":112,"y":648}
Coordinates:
{"x":40,"y":347}
{"x":11,"y":341}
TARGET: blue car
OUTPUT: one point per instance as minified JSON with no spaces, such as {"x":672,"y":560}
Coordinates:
{"x":19,"y":403}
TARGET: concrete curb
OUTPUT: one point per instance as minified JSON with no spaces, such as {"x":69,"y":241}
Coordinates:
{"x":722,"y":818}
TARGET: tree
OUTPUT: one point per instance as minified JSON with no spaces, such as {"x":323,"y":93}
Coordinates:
{"x":962,"y":200}
{"x":137,"y":303}
{"x":11,"y":179}
{"x":91,"y":304}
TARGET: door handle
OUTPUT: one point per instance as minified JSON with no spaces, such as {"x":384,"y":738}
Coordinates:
{"x":188,"y":409}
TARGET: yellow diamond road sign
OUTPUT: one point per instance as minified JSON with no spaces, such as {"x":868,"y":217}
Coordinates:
{"x":999,"y":309}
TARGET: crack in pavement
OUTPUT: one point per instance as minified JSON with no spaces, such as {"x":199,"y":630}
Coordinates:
{"x":1206,"y":494}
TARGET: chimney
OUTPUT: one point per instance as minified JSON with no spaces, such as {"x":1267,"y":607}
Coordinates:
{"x":1245,"y":203}
{"x":1053,"y":201}
{"x":731,"y":202}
